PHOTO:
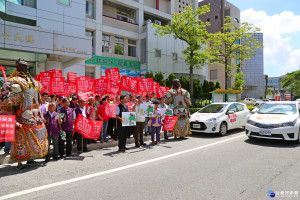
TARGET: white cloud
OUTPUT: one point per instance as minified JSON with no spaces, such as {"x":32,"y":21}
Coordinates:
{"x":280,"y":54}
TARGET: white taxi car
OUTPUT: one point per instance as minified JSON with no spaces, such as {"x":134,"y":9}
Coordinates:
{"x":277,"y":120}
{"x":219,"y":117}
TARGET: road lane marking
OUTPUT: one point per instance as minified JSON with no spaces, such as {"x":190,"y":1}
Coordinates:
{"x":16,"y":194}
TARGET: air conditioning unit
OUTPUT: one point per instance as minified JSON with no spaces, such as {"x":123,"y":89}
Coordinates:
{"x":149,"y":21}
{"x":130,"y":20}
{"x":106,"y":49}
{"x":157,"y":22}
{"x":110,"y":49}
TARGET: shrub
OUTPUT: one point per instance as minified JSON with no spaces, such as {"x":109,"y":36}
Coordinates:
{"x":193,"y":110}
{"x":250,"y":107}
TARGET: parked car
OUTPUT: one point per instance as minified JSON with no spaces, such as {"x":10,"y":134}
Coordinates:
{"x":257,"y":108}
{"x":219,"y":117}
{"x":252,"y":101}
{"x":275,"y":120}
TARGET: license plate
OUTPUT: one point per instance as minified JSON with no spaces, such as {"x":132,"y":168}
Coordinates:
{"x":265,"y":133}
{"x":196,"y":126}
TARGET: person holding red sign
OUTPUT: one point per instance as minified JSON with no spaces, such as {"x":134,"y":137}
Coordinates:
{"x":67,"y":126}
{"x":81,"y":141}
{"x":156,"y":123}
{"x":103,"y":117}
{"x":122,"y":130}
{"x":53,"y":125}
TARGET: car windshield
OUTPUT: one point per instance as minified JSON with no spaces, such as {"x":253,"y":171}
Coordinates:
{"x":213,"y":108}
{"x":278,"y":109}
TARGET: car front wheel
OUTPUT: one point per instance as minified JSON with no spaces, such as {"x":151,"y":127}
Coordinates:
{"x":223,"y":129}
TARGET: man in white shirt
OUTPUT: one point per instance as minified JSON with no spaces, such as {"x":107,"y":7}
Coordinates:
{"x":140,"y":122}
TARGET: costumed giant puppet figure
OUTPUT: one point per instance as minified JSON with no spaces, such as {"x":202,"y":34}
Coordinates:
{"x":180,"y":98}
{"x":21,"y":93}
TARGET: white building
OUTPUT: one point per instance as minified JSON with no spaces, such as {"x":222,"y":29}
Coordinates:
{"x":89,"y":36}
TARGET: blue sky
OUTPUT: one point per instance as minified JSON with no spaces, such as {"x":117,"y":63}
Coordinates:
{"x":279,"y":21}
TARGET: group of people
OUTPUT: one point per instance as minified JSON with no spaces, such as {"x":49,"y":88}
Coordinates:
{"x":42,"y":120}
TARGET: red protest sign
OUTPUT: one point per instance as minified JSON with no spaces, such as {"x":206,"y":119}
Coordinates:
{"x":68,"y":87}
{"x":161,"y":91}
{"x":88,"y":128}
{"x":57,"y":73}
{"x":45,"y":82}
{"x":113,"y":74}
{"x":46,"y":74}
{"x":57,"y":86}
{"x":169,"y":123}
{"x":92,"y":84}
{"x":155,"y":86}
{"x":145,"y":84}
{"x":83,"y":84}
{"x":110,"y":110}
{"x":71,"y":76}
{"x":102,"y":86}
{"x":133,"y":85}
{"x":125,"y":83}
{"x":7,"y":128}
{"x":85,"y":95}
{"x":37,"y":78}
{"x":130,"y":106}
{"x":115,"y":88}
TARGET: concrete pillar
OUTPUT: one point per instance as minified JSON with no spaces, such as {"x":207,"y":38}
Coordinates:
{"x":41,"y":67}
{"x":140,"y":16}
{"x":97,"y":72}
{"x":53,"y":62}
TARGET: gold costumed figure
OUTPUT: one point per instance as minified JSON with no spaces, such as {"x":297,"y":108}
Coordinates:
{"x":180,"y":99}
{"x":21,"y":96}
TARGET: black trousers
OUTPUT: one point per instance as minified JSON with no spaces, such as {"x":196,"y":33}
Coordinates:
{"x":130,"y":131}
{"x":111,"y":128}
{"x":80,"y":142}
{"x":69,"y":142}
{"x":122,"y":131}
{"x":61,"y":146}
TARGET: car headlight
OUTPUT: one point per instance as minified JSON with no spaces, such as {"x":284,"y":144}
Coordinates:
{"x":249,"y":121}
{"x":212,"y":119}
{"x":291,"y":123}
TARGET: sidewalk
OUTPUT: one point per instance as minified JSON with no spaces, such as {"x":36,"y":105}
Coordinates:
{"x":93,"y":146}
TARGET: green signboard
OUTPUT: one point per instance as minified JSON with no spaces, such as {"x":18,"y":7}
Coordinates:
{"x":114,"y":62}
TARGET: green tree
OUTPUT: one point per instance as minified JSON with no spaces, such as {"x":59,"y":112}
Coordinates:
{"x":159,"y":78}
{"x":149,"y":74}
{"x":169,"y":80}
{"x":206,"y":89}
{"x":225,"y":46}
{"x":292,"y":82}
{"x":186,"y":27}
{"x":239,"y":81}
{"x":218,"y":86}
{"x":197,"y":89}
{"x":185,"y":82}
{"x":269,"y":92}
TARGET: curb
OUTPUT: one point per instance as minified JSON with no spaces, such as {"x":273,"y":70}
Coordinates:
{"x":5,"y":159}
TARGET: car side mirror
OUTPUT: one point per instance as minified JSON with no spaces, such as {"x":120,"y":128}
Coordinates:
{"x":229,"y":112}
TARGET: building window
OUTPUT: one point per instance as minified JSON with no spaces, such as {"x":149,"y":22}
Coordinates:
{"x":90,"y":34}
{"x":106,"y":44}
{"x":216,"y":17}
{"x":174,"y":56}
{"x":132,"y":48}
{"x":179,"y":6}
{"x":128,"y":16}
{"x":119,"y":46}
{"x":89,"y":10}
{"x":208,"y":19}
{"x":157,"y":53}
{"x":64,"y":2}
{"x":28,"y":3}
{"x":213,"y":74}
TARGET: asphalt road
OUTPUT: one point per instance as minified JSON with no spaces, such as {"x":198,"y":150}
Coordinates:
{"x":199,"y":167}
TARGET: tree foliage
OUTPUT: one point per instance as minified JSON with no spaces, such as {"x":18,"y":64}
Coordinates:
{"x":159,"y":78}
{"x":187,"y":27}
{"x":169,"y":80}
{"x":239,"y":81}
{"x":149,"y":74}
{"x":218,"y":86}
{"x":225,"y":46}
{"x":292,"y":82}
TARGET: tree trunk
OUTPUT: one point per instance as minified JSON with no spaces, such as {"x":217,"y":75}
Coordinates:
{"x":226,"y":75}
{"x":192,"y":84}
{"x":266,"y":89}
